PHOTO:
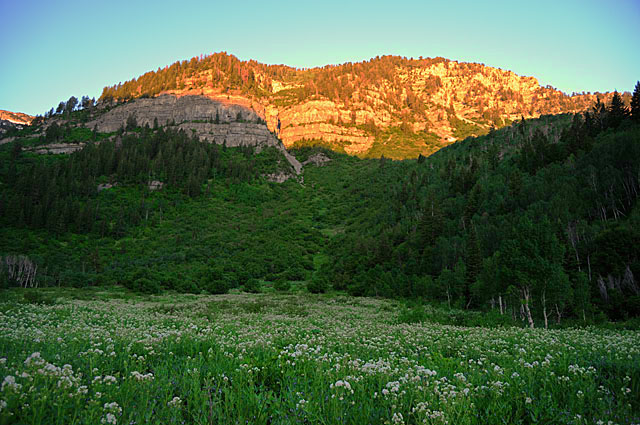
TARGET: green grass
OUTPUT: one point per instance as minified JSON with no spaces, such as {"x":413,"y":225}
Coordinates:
{"x":105,"y":355}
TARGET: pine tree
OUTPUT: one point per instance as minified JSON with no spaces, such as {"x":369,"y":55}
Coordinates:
{"x":635,"y":103}
{"x":617,"y":110}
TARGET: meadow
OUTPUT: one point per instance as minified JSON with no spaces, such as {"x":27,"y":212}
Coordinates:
{"x":108,"y":356}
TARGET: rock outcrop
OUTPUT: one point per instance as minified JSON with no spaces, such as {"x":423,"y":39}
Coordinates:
{"x":16,"y":117}
{"x":210,"y":120}
{"x":57,"y":148}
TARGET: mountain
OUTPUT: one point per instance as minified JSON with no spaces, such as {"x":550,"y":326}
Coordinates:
{"x":13,"y":121}
{"x":389,"y":105}
{"x":16,"y":117}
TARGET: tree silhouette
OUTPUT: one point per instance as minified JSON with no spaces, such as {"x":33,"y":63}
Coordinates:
{"x":617,"y":110}
{"x":635,"y":103}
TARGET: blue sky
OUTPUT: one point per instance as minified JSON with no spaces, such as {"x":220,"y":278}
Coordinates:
{"x":52,"y":50}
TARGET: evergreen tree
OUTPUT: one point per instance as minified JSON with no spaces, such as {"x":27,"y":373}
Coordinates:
{"x":617,"y":110}
{"x":635,"y":103}
{"x":71,"y":105}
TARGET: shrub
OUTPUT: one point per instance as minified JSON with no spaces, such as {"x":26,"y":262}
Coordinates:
{"x":216,"y":285}
{"x":318,"y":285}
{"x":253,"y":286}
{"x":412,"y":315}
{"x":282,"y":285}
{"x":294,"y":273}
{"x":38,"y":297}
{"x":146,"y":286}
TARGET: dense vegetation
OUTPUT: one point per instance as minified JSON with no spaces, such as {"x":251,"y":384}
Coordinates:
{"x":537,"y":221}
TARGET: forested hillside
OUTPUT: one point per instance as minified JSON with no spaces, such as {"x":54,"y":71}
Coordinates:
{"x":537,"y":221}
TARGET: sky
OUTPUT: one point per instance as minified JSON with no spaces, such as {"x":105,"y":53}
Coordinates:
{"x":52,"y":50}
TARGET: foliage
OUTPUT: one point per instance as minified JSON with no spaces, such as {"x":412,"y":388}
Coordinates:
{"x":35,"y":296}
{"x":253,"y":286}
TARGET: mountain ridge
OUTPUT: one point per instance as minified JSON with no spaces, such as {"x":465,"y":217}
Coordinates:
{"x":363,"y":108}
{"x":16,"y":117}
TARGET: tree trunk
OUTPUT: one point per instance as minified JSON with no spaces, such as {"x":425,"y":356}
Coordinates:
{"x":500,"y":303}
{"x":527,"y":296}
{"x":558,"y":313}
{"x":544,"y":309}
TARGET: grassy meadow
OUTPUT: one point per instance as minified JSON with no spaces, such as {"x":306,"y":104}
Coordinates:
{"x":108,"y":356}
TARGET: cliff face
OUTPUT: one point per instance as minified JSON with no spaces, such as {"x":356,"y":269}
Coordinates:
{"x":211,"y":121}
{"x":353,"y":105}
{"x":16,"y":117}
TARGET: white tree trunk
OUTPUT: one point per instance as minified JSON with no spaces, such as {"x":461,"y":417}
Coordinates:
{"x":544,"y":309}
{"x":527,"y":296}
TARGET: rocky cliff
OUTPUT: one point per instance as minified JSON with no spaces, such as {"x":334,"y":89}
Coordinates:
{"x":356,"y":105}
{"x":16,"y":117}
{"x":210,"y":120}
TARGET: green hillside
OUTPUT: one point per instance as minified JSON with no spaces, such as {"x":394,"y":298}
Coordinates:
{"x":541,"y":214}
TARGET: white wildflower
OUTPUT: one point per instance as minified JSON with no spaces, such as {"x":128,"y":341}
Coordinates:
{"x":10,"y":383}
{"x":109,"y":419}
{"x":175,"y":402}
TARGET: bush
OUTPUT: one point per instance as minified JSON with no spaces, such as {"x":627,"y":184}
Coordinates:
{"x":216,"y":287}
{"x":34,"y":296}
{"x":147,"y":286}
{"x":142,"y":280}
{"x":76,"y":278}
{"x":253,"y":286}
{"x":318,"y":285}
{"x":294,"y":273}
{"x":416,"y":314}
{"x":282,"y":285}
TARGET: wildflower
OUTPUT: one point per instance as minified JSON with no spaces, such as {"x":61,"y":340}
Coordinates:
{"x":109,"y":380}
{"x":397,"y":418}
{"x":175,"y":402}
{"x":10,"y":382}
{"x":109,"y":419}
{"x":142,"y":377}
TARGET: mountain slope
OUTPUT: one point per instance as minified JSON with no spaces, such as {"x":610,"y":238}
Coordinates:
{"x":16,"y":117}
{"x":366,"y":108}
